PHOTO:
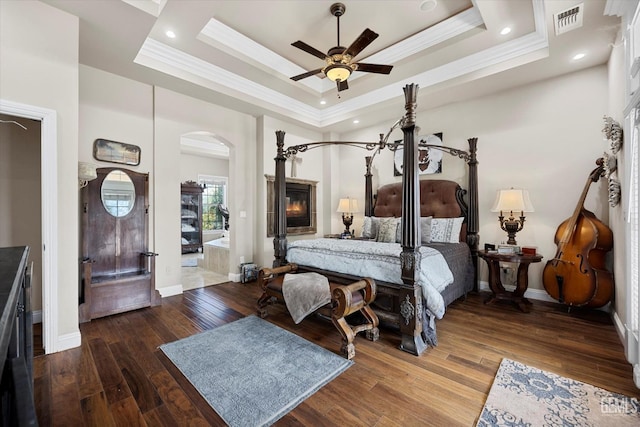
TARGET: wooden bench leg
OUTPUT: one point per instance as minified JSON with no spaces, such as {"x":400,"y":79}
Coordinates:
{"x":372,"y":334}
{"x":261,"y":306}
{"x":348,"y":350}
{"x":343,"y":305}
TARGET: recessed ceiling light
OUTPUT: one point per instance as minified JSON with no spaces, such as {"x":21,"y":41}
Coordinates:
{"x":505,"y":31}
{"x":578,"y":56}
{"x":356,"y":121}
{"x":428,"y":5}
{"x":323,"y":102}
{"x":171,"y":34}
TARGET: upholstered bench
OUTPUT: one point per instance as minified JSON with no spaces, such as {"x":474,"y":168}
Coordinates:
{"x":345,"y":300}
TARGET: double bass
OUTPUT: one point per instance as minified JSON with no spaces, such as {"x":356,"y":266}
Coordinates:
{"x":577,"y":275}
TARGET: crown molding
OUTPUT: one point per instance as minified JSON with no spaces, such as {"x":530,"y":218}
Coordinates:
{"x":217,"y":34}
{"x":167,"y":59}
{"x":620,"y":7}
{"x":177,"y":63}
{"x":432,"y":36}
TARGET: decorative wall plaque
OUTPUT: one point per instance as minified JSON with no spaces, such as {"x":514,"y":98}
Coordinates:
{"x":116,"y":152}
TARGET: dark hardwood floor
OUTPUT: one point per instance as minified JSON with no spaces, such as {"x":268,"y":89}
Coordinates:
{"x":119,"y":377}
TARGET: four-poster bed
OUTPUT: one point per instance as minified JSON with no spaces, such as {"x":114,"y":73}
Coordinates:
{"x":399,"y":299}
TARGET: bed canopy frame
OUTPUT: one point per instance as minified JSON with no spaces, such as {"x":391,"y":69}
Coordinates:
{"x":410,"y":292}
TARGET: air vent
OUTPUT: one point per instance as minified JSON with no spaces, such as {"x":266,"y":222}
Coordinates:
{"x":569,"y":19}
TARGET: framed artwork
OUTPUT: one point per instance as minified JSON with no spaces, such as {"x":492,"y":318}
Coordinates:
{"x":429,"y":159}
{"x":116,"y":152}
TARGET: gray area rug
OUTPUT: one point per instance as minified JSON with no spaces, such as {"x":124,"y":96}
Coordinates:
{"x":525,"y":396}
{"x":252,"y":372}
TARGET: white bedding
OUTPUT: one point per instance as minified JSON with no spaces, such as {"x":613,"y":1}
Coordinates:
{"x":379,"y":261}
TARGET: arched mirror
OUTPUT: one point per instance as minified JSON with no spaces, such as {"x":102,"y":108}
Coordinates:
{"x":118,"y":193}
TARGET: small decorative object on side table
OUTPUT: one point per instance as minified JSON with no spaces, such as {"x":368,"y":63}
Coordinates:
{"x":498,"y":291}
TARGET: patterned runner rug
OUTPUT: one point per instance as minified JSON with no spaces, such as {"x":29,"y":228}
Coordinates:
{"x":252,"y":372}
{"x":525,"y":396}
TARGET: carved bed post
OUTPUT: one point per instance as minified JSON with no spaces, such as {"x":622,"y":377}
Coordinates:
{"x":280,"y":211}
{"x":368,"y":188}
{"x":411,"y":293}
{"x":473,"y":238}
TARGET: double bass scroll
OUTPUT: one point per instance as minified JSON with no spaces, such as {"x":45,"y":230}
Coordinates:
{"x":577,"y":275}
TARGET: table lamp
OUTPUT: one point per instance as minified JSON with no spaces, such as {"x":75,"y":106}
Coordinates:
{"x":511,"y":201}
{"x":347,"y":207}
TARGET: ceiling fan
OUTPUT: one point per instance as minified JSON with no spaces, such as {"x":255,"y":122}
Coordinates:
{"x":339,"y":60}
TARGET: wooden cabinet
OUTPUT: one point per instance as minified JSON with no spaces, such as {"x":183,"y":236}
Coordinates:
{"x":117,"y":267}
{"x":16,"y":339}
{"x":191,"y":216}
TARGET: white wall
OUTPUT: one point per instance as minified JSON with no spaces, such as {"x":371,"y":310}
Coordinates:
{"x":544,"y":137}
{"x":191,"y":166}
{"x":106,"y":113}
{"x":178,"y":115}
{"x":311,"y":168}
{"x":39,"y":67}
{"x":616,"y":102}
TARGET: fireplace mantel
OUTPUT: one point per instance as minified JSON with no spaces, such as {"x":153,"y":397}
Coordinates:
{"x":312,"y":227}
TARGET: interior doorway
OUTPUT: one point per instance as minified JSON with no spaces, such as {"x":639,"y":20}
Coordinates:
{"x":44,"y":120}
{"x":205,"y":161}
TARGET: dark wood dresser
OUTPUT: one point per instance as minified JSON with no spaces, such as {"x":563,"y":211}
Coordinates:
{"x":16,"y":339}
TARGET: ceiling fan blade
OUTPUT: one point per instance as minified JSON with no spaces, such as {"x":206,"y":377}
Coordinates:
{"x":374,"y":68}
{"x":361,"y":42}
{"x":312,"y":50}
{"x":342,"y":85}
{"x":307,"y":74}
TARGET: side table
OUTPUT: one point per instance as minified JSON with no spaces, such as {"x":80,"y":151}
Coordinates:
{"x":498,"y":291}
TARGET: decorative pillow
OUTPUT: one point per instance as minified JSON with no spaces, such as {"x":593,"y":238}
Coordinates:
{"x":370,"y":227}
{"x":425,"y":229}
{"x":446,"y":230}
{"x":387,"y":230}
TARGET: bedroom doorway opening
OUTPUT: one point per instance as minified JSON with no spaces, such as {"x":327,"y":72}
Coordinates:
{"x":205,"y":160}
{"x":41,"y":125}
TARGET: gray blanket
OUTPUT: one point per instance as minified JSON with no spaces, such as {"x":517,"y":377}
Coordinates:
{"x":304,"y":293}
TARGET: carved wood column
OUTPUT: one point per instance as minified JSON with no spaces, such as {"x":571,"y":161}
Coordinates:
{"x":280,"y":209}
{"x":473,"y":226}
{"x":368,"y":188}
{"x":411,"y":293}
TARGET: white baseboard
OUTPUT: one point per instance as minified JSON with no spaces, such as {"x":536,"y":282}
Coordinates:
{"x":235,"y":277}
{"x":537,"y":294}
{"x":66,"y":342}
{"x":620,"y":329}
{"x":169,"y":291}
{"x":37,"y":316}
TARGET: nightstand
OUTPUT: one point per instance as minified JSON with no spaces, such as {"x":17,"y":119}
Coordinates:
{"x":498,"y":291}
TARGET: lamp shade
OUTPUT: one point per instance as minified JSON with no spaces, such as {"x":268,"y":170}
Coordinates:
{"x":512,"y":200}
{"x":347,"y":206}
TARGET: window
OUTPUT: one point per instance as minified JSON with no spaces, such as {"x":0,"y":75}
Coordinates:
{"x":215,"y":194}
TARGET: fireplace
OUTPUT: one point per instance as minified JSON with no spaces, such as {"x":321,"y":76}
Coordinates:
{"x":300,"y":206}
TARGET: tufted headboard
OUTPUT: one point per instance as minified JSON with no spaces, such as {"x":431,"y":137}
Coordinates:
{"x":438,"y":198}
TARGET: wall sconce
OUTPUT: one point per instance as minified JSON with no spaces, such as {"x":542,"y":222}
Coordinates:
{"x":347,"y":207}
{"x":512,"y":201}
{"x":86,"y":172}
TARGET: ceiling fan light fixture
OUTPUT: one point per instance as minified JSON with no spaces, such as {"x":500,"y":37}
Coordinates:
{"x":338,"y":72}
